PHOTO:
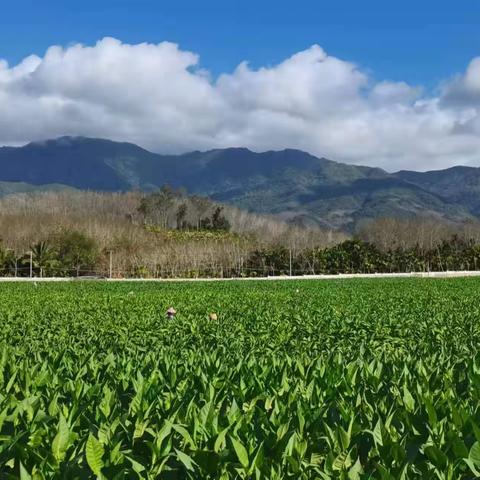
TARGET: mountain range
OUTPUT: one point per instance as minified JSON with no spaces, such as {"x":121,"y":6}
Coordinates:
{"x":292,"y":184}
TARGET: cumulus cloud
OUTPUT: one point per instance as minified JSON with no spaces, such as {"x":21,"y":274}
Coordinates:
{"x":157,"y":95}
{"x":464,"y":90}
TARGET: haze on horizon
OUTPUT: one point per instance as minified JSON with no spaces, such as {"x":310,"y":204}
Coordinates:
{"x":153,"y":88}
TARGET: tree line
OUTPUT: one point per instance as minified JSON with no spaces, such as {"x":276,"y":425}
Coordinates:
{"x":69,"y":253}
{"x":358,"y":256}
{"x":72,"y":253}
{"x":171,"y":234}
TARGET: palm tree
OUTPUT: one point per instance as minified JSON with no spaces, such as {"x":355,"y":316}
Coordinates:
{"x":43,"y":256}
{"x":7,"y":261}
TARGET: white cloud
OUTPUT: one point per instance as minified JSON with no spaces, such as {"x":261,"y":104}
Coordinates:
{"x":159,"y":97}
{"x":464,"y":89}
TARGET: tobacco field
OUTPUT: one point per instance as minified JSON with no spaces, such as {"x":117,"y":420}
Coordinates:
{"x":347,"y":379}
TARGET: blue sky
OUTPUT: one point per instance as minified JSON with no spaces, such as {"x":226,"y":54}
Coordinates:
{"x":381,"y":83}
{"x":421,"y":42}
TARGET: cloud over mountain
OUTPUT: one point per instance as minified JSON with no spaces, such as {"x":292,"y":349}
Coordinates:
{"x":159,"y":97}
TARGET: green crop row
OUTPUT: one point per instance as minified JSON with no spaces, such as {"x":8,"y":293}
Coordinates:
{"x":361,"y":379}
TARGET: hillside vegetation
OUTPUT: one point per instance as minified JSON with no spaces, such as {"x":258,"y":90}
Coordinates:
{"x":167,"y":233}
{"x":292,"y":184}
{"x":171,"y":234}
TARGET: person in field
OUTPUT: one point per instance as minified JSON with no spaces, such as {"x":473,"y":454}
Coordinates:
{"x":171,"y":313}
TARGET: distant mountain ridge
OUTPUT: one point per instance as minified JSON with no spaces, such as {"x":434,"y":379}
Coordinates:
{"x":293,"y":184}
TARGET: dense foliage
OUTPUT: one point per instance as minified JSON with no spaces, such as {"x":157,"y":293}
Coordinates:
{"x":67,"y":253}
{"x":293,"y":380}
{"x":355,"y":256}
{"x":72,"y":253}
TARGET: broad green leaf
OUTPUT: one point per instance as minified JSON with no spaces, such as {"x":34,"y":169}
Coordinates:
{"x":185,"y":435}
{"x":220,"y":441}
{"x":472,"y":467}
{"x":241,"y":452}
{"x":408,"y":400}
{"x":186,"y":460}
{"x":355,"y":471}
{"x":474,"y":454}
{"x":342,"y":461}
{"x":377,"y":432}
{"x":94,"y":452}
{"x":258,"y":459}
{"x":24,"y":475}
{"x":61,"y":441}
{"x":137,"y":466}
